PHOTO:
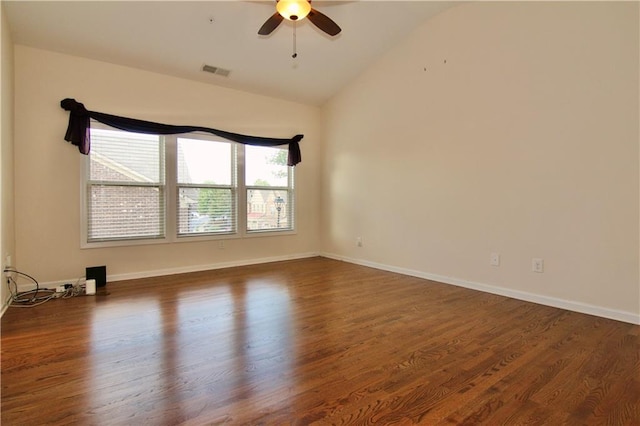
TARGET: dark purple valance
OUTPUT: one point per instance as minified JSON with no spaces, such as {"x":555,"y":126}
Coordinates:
{"x":78,"y":131}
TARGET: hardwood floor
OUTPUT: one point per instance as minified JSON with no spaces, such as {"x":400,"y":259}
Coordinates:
{"x":313,"y":341}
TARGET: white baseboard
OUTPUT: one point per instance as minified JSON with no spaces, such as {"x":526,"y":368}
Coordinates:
{"x":569,"y":305}
{"x":174,"y":271}
{"x":5,"y":306}
{"x":208,"y":267}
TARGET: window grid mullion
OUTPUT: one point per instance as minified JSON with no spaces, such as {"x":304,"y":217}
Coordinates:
{"x":242,"y":193}
{"x":170,"y":150}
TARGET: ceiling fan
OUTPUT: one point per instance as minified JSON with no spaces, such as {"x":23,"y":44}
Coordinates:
{"x":295,"y":10}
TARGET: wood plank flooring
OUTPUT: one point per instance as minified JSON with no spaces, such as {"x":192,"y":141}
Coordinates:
{"x":312,"y":341}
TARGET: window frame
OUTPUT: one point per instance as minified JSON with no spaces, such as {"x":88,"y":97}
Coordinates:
{"x":233,"y":186}
{"x":290,"y":205}
{"x":171,"y":194}
{"x":86,"y":183}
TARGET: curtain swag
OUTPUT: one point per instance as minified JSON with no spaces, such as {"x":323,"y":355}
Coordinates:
{"x":78,"y":131}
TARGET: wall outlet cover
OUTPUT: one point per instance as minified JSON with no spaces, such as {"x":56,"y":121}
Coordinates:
{"x":537,"y":265}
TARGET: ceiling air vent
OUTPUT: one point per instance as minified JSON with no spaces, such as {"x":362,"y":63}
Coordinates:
{"x":216,"y":70}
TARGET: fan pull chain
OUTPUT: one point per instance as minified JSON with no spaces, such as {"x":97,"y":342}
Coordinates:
{"x":295,"y":50}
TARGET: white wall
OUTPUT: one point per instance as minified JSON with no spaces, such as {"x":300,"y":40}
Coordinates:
{"x":497,"y":127}
{"x":7,"y":234}
{"x":47,"y":169}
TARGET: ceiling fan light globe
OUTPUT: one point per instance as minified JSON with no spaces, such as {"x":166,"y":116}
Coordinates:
{"x":293,"y":10}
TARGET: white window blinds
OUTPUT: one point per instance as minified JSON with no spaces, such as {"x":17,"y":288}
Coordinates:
{"x":125,"y":187}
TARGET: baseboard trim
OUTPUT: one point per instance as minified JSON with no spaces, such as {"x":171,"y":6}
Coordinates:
{"x":5,"y":306}
{"x":569,"y":305}
{"x":174,"y":271}
{"x":208,"y":267}
{"x":628,"y":317}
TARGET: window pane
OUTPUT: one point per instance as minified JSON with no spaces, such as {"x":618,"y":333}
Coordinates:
{"x":202,"y":161}
{"x":118,"y":156}
{"x":205,"y":210}
{"x":266,"y":166}
{"x":268,"y":209}
{"x":125,"y":212}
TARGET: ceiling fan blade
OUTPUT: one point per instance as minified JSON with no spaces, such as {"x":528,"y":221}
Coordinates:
{"x":323,"y":22}
{"x":270,"y":24}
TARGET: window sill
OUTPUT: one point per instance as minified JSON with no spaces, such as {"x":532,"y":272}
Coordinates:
{"x":186,"y":239}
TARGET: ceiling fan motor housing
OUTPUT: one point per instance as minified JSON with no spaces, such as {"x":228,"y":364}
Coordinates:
{"x":293,"y":10}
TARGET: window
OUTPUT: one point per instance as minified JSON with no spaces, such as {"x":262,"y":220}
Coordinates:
{"x":269,"y":183}
{"x":125,"y":196}
{"x":206,"y":187}
{"x":168,"y":188}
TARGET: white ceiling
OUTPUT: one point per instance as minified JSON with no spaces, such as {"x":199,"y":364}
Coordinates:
{"x":178,"y":37}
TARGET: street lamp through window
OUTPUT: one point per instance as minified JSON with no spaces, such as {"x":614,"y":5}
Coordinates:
{"x":279,"y":203}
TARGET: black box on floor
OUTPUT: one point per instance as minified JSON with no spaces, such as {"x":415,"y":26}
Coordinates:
{"x":98,"y":273}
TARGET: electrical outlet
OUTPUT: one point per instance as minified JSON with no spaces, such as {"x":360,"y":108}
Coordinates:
{"x":221,"y":245}
{"x":537,"y":265}
{"x":495,"y":259}
{"x":7,"y":266}
{"x":359,"y":241}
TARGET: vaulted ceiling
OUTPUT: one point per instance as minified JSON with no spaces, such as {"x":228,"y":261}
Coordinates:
{"x":179,"y":37}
